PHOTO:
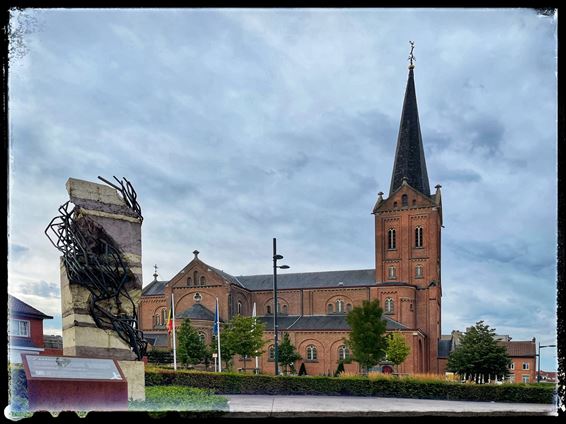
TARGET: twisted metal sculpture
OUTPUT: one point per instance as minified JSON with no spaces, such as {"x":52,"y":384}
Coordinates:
{"x":93,"y":260}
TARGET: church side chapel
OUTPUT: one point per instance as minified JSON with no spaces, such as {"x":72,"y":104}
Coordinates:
{"x":312,"y":307}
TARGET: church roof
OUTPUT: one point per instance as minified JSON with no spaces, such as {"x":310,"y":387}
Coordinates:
{"x":319,"y":322}
{"x":17,"y":307}
{"x":155,"y":288}
{"x":197,"y":312}
{"x":306,"y":280}
{"x":409,"y":156}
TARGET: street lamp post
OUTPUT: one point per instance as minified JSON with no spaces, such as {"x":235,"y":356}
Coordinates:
{"x":539,"y":348}
{"x":276,"y":257}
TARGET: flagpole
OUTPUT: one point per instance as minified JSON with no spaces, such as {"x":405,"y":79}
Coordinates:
{"x":256,"y":357}
{"x":218,"y":337}
{"x":174,"y":344}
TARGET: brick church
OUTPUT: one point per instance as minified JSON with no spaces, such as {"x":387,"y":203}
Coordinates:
{"x":312,"y":306}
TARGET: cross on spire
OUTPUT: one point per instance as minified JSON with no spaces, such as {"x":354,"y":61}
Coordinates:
{"x":155,"y":272}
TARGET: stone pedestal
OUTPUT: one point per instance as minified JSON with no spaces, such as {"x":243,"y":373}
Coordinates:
{"x":81,"y":337}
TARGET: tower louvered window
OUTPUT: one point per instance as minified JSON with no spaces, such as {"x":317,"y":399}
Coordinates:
{"x":391,"y":239}
{"x":419,"y":237}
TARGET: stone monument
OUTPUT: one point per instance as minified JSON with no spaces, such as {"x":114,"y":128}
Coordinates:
{"x":101,"y":275}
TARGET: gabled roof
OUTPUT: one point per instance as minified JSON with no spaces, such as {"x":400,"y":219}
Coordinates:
{"x":197,"y":312}
{"x":17,"y":307}
{"x":409,"y":156}
{"x":155,"y":288}
{"x":319,"y":322}
{"x":519,"y":348}
{"x":307,"y":280}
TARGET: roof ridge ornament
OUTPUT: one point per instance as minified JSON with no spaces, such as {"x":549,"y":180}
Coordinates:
{"x":411,"y":56}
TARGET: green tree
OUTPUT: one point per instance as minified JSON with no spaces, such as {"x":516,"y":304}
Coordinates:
{"x":478,"y":356}
{"x":367,"y":337}
{"x":226,"y":352}
{"x":397,"y":348}
{"x":191,"y":349}
{"x":287,"y":353}
{"x":302,"y":370}
{"x":242,"y":336}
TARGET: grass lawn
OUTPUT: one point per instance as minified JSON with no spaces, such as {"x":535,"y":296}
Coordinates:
{"x":179,"y":398}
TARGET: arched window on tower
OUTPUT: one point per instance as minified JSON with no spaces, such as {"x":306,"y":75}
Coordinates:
{"x":419,"y":236}
{"x":189,"y":281}
{"x":388,"y":305}
{"x":202,"y":280}
{"x":391,"y":241}
{"x":195,"y":279}
{"x":414,"y":202}
{"x":419,"y":271}
{"x":391,"y":274}
{"x":404,"y":200}
{"x":311,"y":353}
{"x":330,"y":308}
{"x":163,"y":316}
{"x":239,"y":308}
{"x":339,"y":306}
{"x":394,"y":205}
{"x":268,"y":309}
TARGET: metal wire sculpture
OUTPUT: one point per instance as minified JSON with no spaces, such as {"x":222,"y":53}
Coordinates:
{"x":93,"y":260}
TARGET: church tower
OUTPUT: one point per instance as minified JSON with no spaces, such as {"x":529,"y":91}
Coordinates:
{"x":407,"y":240}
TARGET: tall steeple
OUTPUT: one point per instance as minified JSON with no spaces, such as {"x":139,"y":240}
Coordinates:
{"x":409,"y":156}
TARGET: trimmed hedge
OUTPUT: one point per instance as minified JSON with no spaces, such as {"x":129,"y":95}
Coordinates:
{"x":231,"y":383}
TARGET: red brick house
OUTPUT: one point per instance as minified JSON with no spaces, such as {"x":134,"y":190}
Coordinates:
{"x":312,"y":306}
{"x":25,"y":330}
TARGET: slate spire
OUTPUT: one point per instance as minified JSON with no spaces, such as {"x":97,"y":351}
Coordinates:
{"x":409,"y":156}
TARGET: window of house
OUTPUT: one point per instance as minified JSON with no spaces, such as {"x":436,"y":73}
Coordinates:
{"x":512,"y":365}
{"x":240,"y":308}
{"x":189,"y":281}
{"x":419,"y":271}
{"x":339,"y":306}
{"x":391,"y":272}
{"x":19,"y":328}
{"x":404,"y":200}
{"x":388,"y":305}
{"x":202,"y":280}
{"x":268,"y":309}
{"x":271,"y":351}
{"x":311,"y":353}
{"x":391,"y":242}
{"x":348,"y":307}
{"x":525,"y":379}
{"x":343,"y":353}
{"x":330,"y":308}
{"x":419,"y":237}
{"x":525,"y":365}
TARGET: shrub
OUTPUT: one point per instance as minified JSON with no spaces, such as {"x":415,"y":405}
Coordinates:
{"x":349,"y":384}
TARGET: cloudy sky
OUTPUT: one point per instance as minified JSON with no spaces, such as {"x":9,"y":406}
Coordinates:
{"x":236,"y":126}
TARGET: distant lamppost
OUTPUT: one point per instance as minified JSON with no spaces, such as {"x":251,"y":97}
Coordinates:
{"x":539,"y":348}
{"x":276,"y":257}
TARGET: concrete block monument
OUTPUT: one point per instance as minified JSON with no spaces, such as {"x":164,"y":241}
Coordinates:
{"x":98,"y":233}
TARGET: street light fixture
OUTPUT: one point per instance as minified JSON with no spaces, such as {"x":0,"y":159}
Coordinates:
{"x":276,"y":257}
{"x":539,"y":348}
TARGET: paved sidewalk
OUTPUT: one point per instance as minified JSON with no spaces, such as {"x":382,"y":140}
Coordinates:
{"x":321,"y":406}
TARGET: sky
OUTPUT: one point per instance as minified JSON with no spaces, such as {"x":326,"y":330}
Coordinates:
{"x":238,"y":125}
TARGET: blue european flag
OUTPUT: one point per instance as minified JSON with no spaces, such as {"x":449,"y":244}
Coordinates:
{"x":215,"y":328}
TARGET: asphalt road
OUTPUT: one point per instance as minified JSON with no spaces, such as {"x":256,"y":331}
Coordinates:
{"x":321,"y":406}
